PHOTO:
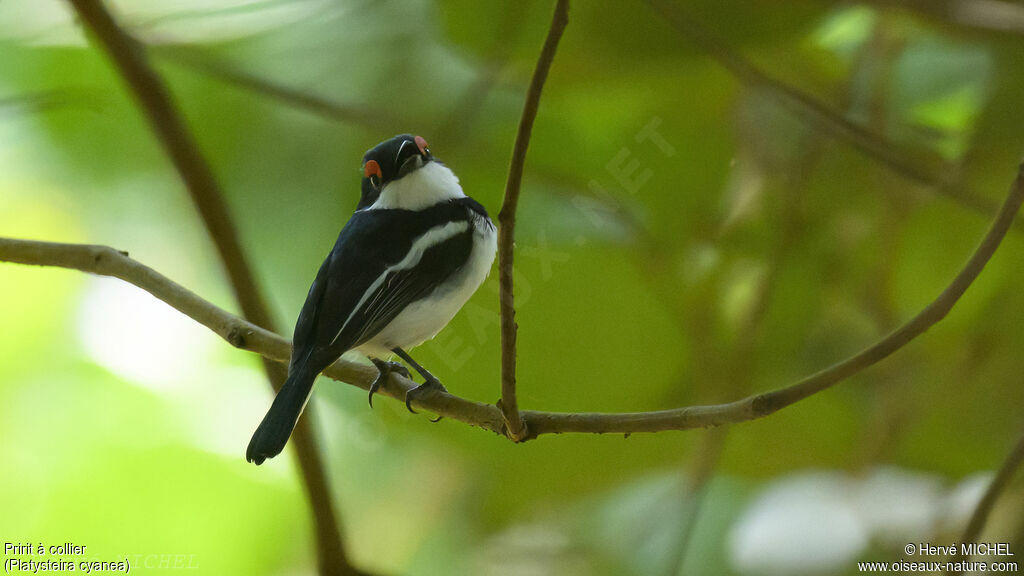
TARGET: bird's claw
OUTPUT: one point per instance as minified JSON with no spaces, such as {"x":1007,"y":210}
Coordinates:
{"x":384,"y":370}
{"x":430,"y":385}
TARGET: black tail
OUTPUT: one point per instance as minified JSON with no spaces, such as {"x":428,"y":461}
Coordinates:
{"x":272,"y":434}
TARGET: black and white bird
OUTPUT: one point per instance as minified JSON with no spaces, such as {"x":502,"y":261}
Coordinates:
{"x":410,"y":256}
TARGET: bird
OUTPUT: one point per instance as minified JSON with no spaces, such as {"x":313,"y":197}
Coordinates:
{"x":410,"y":256}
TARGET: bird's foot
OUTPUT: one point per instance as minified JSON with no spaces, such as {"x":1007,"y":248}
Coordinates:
{"x":384,"y":370}
{"x":430,"y":385}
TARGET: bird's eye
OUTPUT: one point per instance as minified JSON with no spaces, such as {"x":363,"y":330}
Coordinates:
{"x":422,"y":145}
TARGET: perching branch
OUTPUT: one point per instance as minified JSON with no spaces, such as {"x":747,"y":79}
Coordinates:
{"x":241,"y":334}
{"x":106,"y":261}
{"x":507,"y":224}
{"x":154,"y":99}
{"x":988,"y":501}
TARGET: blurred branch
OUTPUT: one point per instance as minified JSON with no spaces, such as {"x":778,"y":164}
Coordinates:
{"x":875,"y":62}
{"x":227,"y":73}
{"x":467,"y":108}
{"x":987,"y":15}
{"x":701,"y":469}
{"x":741,"y":360}
{"x":200,"y":13}
{"x":761,"y":405}
{"x":35,"y":101}
{"x":451,"y":130}
{"x":833,"y":123}
{"x":131,"y":61}
{"x":988,"y":501}
{"x":507,"y":223}
{"x":155,"y":100}
{"x":244,"y":335}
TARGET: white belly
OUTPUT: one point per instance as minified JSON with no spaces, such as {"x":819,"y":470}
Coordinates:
{"x":423,"y":319}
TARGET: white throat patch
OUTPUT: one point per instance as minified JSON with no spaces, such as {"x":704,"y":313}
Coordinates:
{"x":420,"y":189}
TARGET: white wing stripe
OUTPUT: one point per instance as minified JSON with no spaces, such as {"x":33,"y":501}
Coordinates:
{"x":424,"y":242}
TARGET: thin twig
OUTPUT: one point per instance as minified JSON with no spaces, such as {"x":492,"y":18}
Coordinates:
{"x":507,"y":223}
{"x":154,"y":98}
{"x":988,"y":501}
{"x":106,"y":261}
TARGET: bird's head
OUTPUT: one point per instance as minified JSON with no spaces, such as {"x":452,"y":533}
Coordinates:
{"x":390,"y":161}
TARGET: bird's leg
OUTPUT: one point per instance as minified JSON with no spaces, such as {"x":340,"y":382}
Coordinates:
{"x":430,"y":382}
{"x":384,"y":370}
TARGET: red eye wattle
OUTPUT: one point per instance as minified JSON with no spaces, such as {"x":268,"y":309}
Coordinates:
{"x":371,"y":169}
{"x":421,"y":144}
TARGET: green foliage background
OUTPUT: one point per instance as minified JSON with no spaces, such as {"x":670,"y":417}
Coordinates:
{"x":761,"y":250}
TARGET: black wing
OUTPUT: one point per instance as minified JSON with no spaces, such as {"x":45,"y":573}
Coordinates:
{"x":400,"y":288}
{"x":383,"y":261}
